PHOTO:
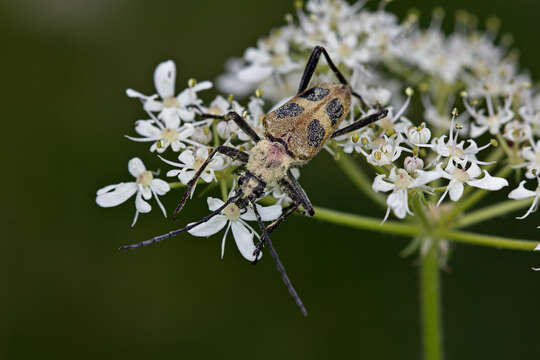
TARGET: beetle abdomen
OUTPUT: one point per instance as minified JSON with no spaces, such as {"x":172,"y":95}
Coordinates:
{"x":306,"y":121}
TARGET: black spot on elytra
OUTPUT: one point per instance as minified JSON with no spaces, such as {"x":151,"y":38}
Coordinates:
{"x":334,"y":109}
{"x":315,"y":133}
{"x":315,"y":93}
{"x":289,"y":110}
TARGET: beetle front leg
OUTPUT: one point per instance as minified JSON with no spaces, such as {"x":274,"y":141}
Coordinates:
{"x":234,"y":116}
{"x":231,"y":152}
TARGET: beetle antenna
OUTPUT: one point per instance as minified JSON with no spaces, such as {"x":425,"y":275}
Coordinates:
{"x":181,"y":230}
{"x":266,"y":239}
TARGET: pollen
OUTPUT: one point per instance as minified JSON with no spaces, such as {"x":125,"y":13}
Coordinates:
{"x":145,"y":178}
{"x":170,"y":102}
{"x":169,"y":135}
{"x":232,"y":212}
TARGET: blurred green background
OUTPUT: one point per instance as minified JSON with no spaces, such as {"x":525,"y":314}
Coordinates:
{"x":68,"y":293}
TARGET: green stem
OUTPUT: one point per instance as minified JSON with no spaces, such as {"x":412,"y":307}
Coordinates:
{"x":430,"y":297}
{"x":411,"y":230}
{"x":488,"y":240}
{"x":176,"y":185}
{"x":367,"y":223}
{"x":359,"y":178}
{"x":492,"y":211}
{"x":505,"y":146}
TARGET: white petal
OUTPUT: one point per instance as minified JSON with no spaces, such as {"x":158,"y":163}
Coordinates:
{"x":537,"y":248}
{"x":147,"y":129}
{"x":164,"y":78}
{"x":268,"y":213}
{"x":120,"y":193}
{"x":398,"y":202}
{"x":254,"y":73}
{"x":214,"y":203}
{"x":136,"y":167}
{"x":489,"y":182}
{"x":456,"y":190}
{"x":185,"y":176}
{"x":474,"y":171}
{"x":244,"y":240}
{"x":476,"y":131}
{"x":107,"y":188}
{"x":145,"y":191}
{"x":425,"y":177}
{"x":209,"y":227}
{"x":207,"y":176}
{"x":141,"y":205}
{"x":521,"y":193}
{"x":203,"y":85}
{"x":160,"y":187}
{"x":153,"y":105}
{"x":380,"y":185}
{"x":531,"y":209}
{"x":186,"y":115}
{"x":135,"y":94}
{"x":172,"y":120}
{"x":173,"y":173}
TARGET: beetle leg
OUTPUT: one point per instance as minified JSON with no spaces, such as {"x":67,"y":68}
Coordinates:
{"x":297,"y":191}
{"x":289,"y":210}
{"x":185,"y":228}
{"x":310,"y":70}
{"x":231,"y":115}
{"x":312,"y":64}
{"x":226,"y":150}
{"x":360,"y":123}
{"x":266,"y":239}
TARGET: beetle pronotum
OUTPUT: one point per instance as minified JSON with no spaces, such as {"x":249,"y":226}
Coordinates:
{"x":294,"y":133}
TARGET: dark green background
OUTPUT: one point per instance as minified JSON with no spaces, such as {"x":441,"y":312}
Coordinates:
{"x":68,"y":293}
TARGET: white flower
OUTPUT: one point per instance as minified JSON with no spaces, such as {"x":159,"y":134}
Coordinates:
{"x":493,"y":120}
{"x":517,"y":131}
{"x":455,"y":150}
{"x":145,"y":186}
{"x":522,"y":193}
{"x":162,"y":136}
{"x":233,"y":219}
{"x":388,"y":152}
{"x":190,"y":162}
{"x":267,"y":60}
{"x":355,"y":142}
{"x":458,"y":176}
{"x":164,"y":101}
{"x":399,"y":182}
{"x":532,"y":160}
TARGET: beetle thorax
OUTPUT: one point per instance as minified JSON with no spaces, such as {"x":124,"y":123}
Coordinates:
{"x":269,"y":161}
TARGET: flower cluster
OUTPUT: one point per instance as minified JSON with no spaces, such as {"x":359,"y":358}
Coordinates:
{"x":436,"y":155}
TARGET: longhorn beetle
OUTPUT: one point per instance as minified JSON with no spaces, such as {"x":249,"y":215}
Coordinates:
{"x":293,"y":134}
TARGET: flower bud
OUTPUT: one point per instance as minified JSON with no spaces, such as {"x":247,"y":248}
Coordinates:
{"x":411,"y":164}
{"x":419,"y":135}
